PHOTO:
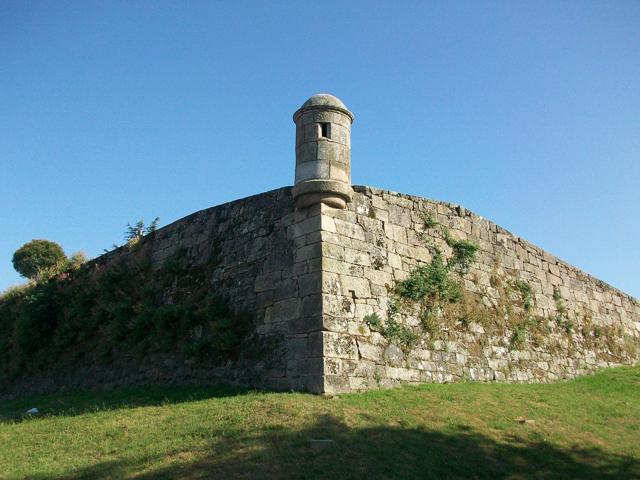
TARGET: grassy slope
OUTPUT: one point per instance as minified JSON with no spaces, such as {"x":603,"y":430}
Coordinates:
{"x":588,"y":428}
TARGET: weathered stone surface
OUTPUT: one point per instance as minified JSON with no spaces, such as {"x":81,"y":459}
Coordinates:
{"x":313,"y":275}
{"x":264,"y":266}
{"x":323,"y":153}
{"x":378,"y":240}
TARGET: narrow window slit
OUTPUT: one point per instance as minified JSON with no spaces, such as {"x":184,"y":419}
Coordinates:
{"x":325,"y":130}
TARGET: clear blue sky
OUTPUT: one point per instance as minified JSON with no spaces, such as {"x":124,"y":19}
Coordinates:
{"x":527,"y":113}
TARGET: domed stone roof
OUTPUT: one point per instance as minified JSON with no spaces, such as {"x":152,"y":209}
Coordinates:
{"x":322,"y":101}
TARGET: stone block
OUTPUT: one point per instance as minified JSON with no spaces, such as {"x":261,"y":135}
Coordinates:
{"x":336,"y":384}
{"x":312,"y":383}
{"x":362,"y":310}
{"x":312,"y":170}
{"x":399,"y":216}
{"x":331,"y":283}
{"x":361,"y":383}
{"x":315,"y":343}
{"x":356,"y":257}
{"x":336,"y":266}
{"x":309,"y":284}
{"x":373,"y":243}
{"x":338,"y":305}
{"x":393,"y":355}
{"x":306,"y":152}
{"x":362,"y":368}
{"x":338,"y":324}
{"x":403,"y":374}
{"x":330,"y":237}
{"x":313,"y":237}
{"x":330,"y":250}
{"x":356,"y":287}
{"x":338,"y":171}
{"x":415,"y":253}
{"x":266,"y":281}
{"x":305,"y":226}
{"x":286,"y":310}
{"x":287,"y":288}
{"x":311,"y":305}
{"x":327,"y":223}
{"x":374,"y":225}
{"x":350,"y":230}
{"x":379,"y":277}
{"x":297,"y":346}
{"x":332,"y":366}
{"x":308,"y":252}
{"x":338,"y":345}
{"x":314,"y":265}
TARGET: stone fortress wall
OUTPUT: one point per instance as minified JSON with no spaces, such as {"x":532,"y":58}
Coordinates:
{"x":312,"y":276}
{"x":318,"y":262}
{"x":266,"y":262}
{"x":263,"y":266}
{"x":378,"y":240}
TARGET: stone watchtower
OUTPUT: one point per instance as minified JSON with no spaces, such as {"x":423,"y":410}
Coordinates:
{"x":323,"y":152}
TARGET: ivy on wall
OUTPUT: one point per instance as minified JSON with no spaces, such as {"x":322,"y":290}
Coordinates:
{"x":126,"y":306}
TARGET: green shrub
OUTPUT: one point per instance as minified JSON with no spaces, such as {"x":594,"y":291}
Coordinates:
{"x":568,"y":326}
{"x":562,"y":317}
{"x":125,"y":307}
{"x":518,"y":337}
{"x":374,"y":321}
{"x":432,"y":287}
{"x":526,"y":294}
{"x":134,"y":233}
{"x":430,"y":282}
{"x":429,"y":221}
{"x":405,"y":337}
{"x":36,"y":257}
{"x":464,"y":253}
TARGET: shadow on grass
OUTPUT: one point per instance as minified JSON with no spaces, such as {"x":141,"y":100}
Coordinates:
{"x":377,"y":452}
{"x":78,"y":403}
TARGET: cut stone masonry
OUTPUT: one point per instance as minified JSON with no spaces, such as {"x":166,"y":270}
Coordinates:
{"x":315,"y":261}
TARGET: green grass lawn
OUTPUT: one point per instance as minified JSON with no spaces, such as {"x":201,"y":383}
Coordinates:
{"x":588,"y":428}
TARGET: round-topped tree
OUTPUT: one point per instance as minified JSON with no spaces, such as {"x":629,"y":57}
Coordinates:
{"x":323,"y":152}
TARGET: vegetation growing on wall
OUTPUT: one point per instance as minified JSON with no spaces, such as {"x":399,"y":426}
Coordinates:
{"x":123,"y":306}
{"x":562,"y":316}
{"x":435,"y":295}
{"x":428,"y":290}
{"x":136,"y":232}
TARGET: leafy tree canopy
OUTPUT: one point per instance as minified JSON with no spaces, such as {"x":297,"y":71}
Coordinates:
{"x":36,"y":256}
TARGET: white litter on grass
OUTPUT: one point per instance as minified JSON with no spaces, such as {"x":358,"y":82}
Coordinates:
{"x":33,"y":410}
